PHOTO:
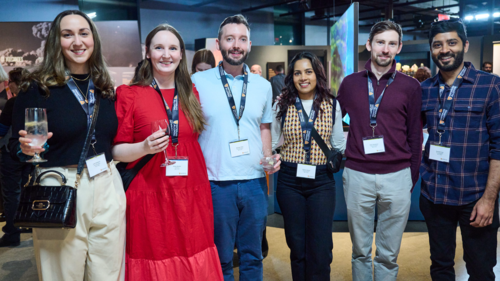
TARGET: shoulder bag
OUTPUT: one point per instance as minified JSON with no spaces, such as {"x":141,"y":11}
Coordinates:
{"x":53,"y":206}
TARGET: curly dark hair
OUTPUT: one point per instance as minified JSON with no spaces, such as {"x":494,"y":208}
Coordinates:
{"x":289,"y":92}
{"x":422,"y":74}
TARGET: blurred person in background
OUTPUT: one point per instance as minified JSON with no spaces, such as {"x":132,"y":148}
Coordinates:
{"x":4,"y":78}
{"x":278,"y":81}
{"x":203,"y":60}
{"x":487,"y":67}
{"x":256,"y":69}
{"x":422,"y":74}
{"x":11,"y":170}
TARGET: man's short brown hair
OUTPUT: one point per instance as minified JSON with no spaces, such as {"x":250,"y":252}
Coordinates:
{"x":383,"y":26}
{"x":238,"y":19}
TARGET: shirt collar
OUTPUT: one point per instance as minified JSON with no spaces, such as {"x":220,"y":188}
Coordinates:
{"x":470,"y":75}
{"x":368,"y":66}
{"x":245,"y":67}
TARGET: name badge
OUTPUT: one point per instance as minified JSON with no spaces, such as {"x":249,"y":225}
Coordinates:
{"x":439,"y":153}
{"x":239,"y":148}
{"x":306,"y":171}
{"x":96,"y":164}
{"x":374,"y":144}
{"x":178,"y":167}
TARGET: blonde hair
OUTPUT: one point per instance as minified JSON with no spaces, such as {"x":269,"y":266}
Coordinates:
{"x":53,"y":71}
{"x":3,"y":75}
{"x":188,"y":101}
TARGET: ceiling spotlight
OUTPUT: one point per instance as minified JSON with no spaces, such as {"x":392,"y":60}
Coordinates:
{"x":469,"y":18}
{"x":92,"y":15}
{"x":496,"y":15}
{"x":482,"y":16}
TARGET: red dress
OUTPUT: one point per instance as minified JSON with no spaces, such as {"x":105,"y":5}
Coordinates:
{"x":170,"y":223}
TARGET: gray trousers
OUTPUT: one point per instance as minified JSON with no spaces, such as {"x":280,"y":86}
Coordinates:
{"x":390,"y":193}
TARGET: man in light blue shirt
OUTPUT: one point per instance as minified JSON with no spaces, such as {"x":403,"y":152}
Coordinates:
{"x":237,"y":106}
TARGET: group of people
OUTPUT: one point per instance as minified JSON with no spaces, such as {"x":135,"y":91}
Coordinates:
{"x":222,"y":127}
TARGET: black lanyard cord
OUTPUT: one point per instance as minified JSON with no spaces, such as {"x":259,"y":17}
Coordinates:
{"x":230,"y":97}
{"x":307,"y":124}
{"x":374,"y":105}
{"x":173,"y":115}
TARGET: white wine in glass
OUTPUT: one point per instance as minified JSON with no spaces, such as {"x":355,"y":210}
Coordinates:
{"x":35,"y":124}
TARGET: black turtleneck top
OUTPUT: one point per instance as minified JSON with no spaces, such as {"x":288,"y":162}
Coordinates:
{"x":67,"y":120}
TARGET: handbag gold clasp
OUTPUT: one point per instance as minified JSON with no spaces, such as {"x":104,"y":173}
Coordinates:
{"x":40,"y":205}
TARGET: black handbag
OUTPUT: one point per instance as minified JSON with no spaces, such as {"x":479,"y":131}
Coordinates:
{"x":53,"y":206}
{"x":333,"y":156}
{"x":128,"y":175}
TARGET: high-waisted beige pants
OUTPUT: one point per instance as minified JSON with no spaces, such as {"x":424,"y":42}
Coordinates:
{"x":95,"y":248}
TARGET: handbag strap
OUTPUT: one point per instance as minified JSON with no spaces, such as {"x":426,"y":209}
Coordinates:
{"x":88,"y":140}
{"x":319,"y":140}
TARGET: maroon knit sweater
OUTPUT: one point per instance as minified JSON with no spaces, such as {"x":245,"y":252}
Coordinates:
{"x":398,"y":120}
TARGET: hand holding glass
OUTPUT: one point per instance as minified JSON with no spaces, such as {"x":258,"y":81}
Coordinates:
{"x":162,"y":125}
{"x":269,"y":161}
{"x":35,"y":124}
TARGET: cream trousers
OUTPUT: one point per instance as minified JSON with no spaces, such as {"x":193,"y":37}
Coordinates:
{"x":95,"y":248}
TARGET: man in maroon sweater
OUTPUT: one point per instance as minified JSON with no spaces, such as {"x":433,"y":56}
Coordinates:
{"x":383,"y":153}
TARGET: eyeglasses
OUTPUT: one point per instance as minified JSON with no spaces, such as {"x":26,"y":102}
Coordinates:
{"x":459,"y":20}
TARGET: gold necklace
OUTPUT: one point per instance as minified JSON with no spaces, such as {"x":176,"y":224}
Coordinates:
{"x":81,"y":79}
{"x":85,"y":95}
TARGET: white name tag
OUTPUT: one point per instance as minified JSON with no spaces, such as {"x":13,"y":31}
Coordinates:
{"x":96,"y":165}
{"x":306,"y":171}
{"x":239,"y":148}
{"x":178,"y":167}
{"x":374,"y":144}
{"x":439,"y":153}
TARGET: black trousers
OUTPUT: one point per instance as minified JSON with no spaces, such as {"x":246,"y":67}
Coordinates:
{"x":11,"y":176}
{"x":307,"y":206}
{"x":480,"y":244}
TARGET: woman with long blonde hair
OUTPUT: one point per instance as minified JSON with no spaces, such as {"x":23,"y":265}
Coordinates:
{"x":170,"y":224}
{"x":69,"y":84}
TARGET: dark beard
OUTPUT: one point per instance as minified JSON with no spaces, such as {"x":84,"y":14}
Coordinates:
{"x":458,"y":59}
{"x":379,"y":63}
{"x":225,"y":56}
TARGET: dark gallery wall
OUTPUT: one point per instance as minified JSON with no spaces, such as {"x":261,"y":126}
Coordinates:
{"x":196,"y":24}
{"x":34,"y":10}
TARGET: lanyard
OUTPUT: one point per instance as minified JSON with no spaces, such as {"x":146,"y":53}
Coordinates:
{"x":444,"y":107}
{"x":307,"y":124}
{"x":173,"y":115}
{"x":87,"y":103}
{"x":230,"y":98}
{"x":374,"y":105}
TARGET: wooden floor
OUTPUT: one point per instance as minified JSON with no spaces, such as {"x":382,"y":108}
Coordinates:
{"x":18,"y":263}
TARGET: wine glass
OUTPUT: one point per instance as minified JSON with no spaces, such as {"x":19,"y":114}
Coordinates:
{"x":35,"y":124}
{"x":269,"y":160}
{"x":162,"y":124}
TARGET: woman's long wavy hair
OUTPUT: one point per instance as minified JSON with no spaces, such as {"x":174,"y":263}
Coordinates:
{"x":188,"y":101}
{"x":290,"y":93}
{"x":53,"y":70}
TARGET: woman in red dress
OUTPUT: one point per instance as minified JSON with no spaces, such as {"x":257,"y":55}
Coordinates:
{"x":170,"y":233}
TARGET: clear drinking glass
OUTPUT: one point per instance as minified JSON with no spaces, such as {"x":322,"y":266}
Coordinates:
{"x":269,"y":160}
{"x":35,"y":124}
{"x":162,"y":125}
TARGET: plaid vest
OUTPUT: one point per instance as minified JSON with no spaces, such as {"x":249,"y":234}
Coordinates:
{"x":293,"y":147}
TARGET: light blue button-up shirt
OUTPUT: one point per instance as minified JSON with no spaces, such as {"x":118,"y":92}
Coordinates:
{"x":222,"y":128}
